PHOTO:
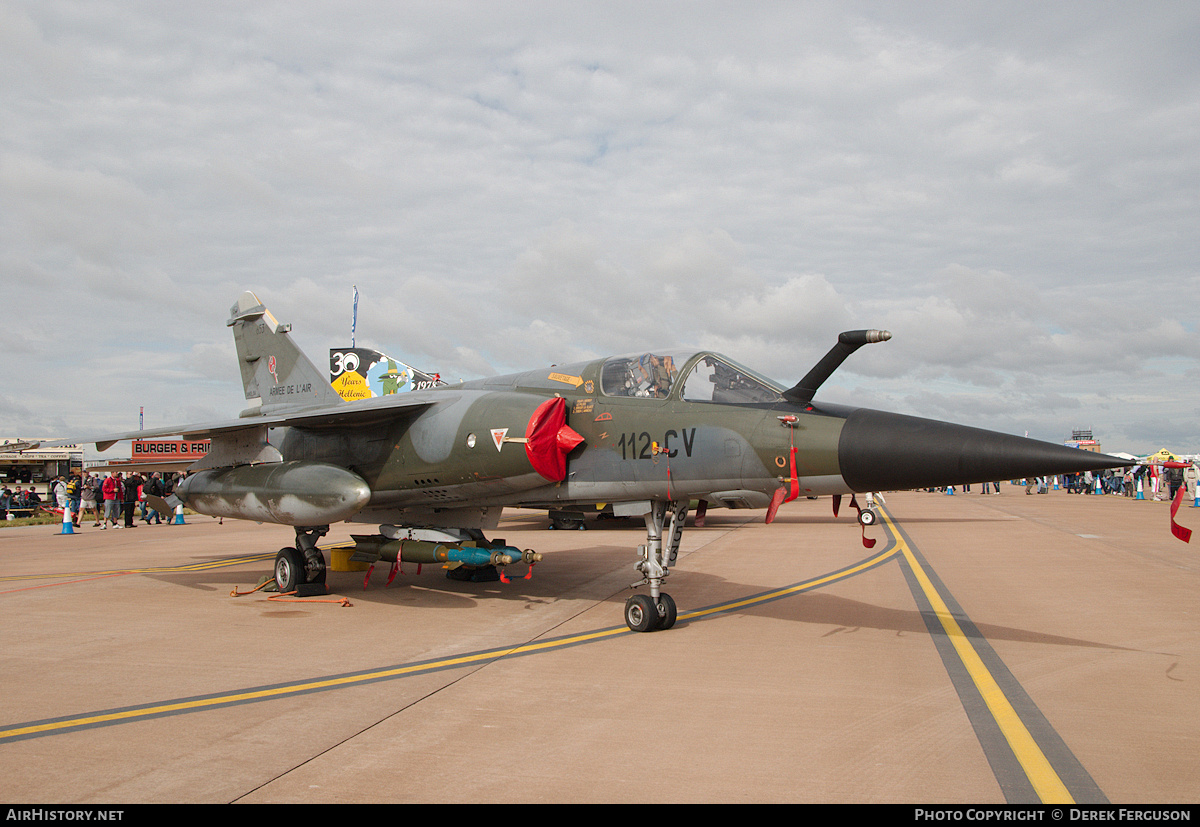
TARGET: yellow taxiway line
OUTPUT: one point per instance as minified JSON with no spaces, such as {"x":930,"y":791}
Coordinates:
{"x":1046,"y":782}
{"x":46,"y":727}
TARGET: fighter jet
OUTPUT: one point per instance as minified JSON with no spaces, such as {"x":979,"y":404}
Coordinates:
{"x":641,"y":435}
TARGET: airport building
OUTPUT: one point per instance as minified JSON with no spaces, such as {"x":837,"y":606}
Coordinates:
{"x":146,"y":455}
{"x":46,"y":464}
{"x":1082,"y":439}
{"x":39,"y":464}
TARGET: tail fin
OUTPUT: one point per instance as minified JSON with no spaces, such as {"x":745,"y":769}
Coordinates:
{"x":275,"y":373}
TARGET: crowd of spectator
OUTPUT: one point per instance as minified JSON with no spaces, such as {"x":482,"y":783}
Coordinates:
{"x":117,"y":499}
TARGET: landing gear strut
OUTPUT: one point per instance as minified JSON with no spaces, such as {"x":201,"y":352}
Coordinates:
{"x":657,"y":610}
{"x":302,"y":568}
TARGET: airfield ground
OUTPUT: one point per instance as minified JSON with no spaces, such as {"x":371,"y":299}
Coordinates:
{"x":988,"y":648}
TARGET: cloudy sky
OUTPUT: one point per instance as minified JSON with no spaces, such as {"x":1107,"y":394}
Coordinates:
{"x":1013,"y":189}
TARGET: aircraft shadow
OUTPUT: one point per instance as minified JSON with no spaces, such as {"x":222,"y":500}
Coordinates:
{"x":848,"y":616}
{"x":598,"y":573}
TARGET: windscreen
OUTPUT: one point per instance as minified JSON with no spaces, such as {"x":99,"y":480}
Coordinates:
{"x":714,"y":379}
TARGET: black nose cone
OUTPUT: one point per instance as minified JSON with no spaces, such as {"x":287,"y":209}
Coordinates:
{"x":881,"y":451}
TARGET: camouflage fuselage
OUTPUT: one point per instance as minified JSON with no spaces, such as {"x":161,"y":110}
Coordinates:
{"x":466,"y":449}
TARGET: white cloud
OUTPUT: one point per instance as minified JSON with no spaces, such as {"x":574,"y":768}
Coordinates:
{"x":1011,"y":189}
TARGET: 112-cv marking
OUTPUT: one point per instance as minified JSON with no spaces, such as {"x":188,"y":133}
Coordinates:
{"x":636,"y":445}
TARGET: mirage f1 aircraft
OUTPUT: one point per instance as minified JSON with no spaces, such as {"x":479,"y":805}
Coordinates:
{"x":644,"y":435}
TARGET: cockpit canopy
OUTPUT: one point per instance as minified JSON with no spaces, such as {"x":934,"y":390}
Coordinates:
{"x":703,"y":377}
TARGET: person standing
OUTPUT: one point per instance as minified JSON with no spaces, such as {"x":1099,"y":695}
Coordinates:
{"x":129,"y":501}
{"x":59,"y":491}
{"x":152,"y":487}
{"x":1174,"y":480}
{"x":87,"y":498}
{"x":74,"y":490}
{"x":111,"y":491}
{"x":169,"y":487}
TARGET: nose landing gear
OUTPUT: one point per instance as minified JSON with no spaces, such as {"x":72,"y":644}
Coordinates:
{"x":656,"y":610}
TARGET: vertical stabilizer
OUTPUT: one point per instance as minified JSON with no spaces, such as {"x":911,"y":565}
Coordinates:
{"x":275,"y":373}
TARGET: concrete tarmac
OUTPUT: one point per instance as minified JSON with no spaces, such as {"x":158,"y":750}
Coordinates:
{"x":988,"y":649}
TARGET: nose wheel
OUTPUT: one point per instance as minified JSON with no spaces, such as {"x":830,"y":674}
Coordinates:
{"x":643,"y":614}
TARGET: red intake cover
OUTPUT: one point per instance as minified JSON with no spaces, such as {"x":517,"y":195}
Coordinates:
{"x":550,"y":439}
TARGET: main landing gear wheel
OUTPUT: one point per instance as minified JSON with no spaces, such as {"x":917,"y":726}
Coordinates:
{"x":289,"y":570}
{"x":301,"y":568}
